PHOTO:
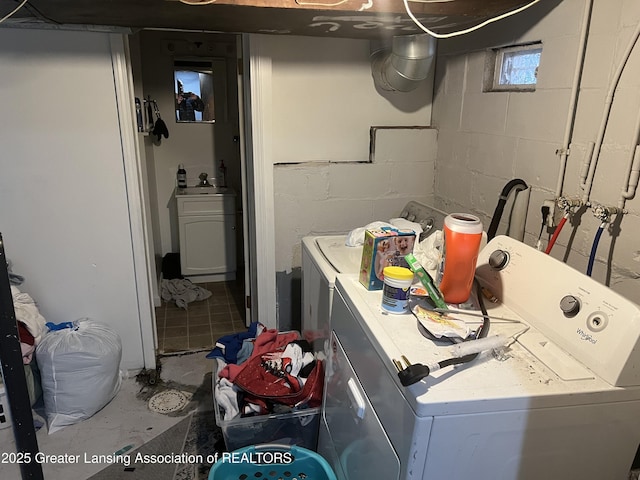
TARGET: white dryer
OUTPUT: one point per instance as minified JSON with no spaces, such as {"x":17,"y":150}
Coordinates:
{"x":323,"y":257}
{"x":561,"y":402}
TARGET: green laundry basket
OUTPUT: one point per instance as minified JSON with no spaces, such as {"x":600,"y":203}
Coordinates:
{"x":272,"y":462}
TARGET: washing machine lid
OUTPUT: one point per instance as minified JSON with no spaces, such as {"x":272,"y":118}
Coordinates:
{"x":342,"y":258}
{"x":333,"y":256}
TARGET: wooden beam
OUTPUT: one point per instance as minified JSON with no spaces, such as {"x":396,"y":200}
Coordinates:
{"x":476,"y":8}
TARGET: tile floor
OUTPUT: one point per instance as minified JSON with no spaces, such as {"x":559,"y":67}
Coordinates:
{"x":198,"y":327}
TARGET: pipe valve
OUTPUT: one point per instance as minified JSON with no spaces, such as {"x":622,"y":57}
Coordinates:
{"x":566,"y":203}
{"x":604,"y":213}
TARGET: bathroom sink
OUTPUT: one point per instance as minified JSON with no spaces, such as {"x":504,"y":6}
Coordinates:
{"x":202,"y":191}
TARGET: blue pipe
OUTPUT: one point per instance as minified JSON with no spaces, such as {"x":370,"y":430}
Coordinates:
{"x":594,"y":248}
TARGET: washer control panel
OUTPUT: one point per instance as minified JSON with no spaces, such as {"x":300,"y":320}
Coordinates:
{"x":570,"y":306}
{"x":499,"y":259}
{"x":588,"y":320}
{"x":429,"y":218}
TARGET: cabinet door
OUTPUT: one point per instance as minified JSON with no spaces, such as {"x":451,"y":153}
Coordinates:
{"x":207,"y":244}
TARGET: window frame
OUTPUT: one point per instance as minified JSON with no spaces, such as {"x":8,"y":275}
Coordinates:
{"x":495,"y":62}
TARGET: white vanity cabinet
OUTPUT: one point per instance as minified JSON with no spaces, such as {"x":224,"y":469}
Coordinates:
{"x":207,"y":236}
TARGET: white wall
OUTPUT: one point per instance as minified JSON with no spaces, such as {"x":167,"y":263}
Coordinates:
{"x":324,"y":99}
{"x":485,"y":139}
{"x":322,"y":107}
{"x":319,"y":111}
{"x":64,"y":216}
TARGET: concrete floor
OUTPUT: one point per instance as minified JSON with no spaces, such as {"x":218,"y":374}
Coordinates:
{"x":126,"y":422}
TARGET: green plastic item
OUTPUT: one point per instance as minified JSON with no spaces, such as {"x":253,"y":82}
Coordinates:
{"x":426,"y":280}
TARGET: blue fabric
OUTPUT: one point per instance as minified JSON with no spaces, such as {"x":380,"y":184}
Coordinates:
{"x":232,"y":344}
{"x":245,"y":351}
{"x":61,"y":326}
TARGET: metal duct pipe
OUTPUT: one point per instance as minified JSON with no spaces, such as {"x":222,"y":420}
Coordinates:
{"x":405,"y":65}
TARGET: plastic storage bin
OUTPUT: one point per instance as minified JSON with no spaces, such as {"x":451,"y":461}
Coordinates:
{"x":294,"y":428}
{"x":299,"y":427}
{"x":271,"y":462}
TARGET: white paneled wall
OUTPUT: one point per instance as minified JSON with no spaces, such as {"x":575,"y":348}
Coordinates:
{"x":485,"y":139}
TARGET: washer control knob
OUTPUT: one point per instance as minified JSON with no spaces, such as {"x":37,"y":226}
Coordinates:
{"x":499,"y":259}
{"x":570,"y":306}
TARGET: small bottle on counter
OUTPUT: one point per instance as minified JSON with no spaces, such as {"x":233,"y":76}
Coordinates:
{"x":139,"y":115}
{"x":222,"y":176}
{"x":182,"y":176}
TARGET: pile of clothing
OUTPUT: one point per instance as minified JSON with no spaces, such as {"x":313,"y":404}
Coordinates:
{"x":31,"y":324}
{"x":31,"y":330}
{"x":182,"y":291}
{"x":72,"y":366}
{"x":264,"y":371}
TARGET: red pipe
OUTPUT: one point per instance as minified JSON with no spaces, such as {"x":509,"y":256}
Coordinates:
{"x":556,"y":233}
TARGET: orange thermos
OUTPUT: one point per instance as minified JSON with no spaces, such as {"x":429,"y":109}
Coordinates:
{"x":462,"y":237}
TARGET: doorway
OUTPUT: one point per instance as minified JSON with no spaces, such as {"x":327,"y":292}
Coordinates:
{"x":200,"y":147}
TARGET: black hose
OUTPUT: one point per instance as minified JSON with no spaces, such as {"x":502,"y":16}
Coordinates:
{"x":482,"y":332}
{"x":413,"y":373}
{"x":497,"y":214}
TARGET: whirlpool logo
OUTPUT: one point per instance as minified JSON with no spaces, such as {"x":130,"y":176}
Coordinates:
{"x":587,"y":337}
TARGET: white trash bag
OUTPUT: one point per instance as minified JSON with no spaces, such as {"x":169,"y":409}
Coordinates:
{"x":80,"y":371}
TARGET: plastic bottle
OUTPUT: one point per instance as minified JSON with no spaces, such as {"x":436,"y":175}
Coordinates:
{"x":182,"y":177}
{"x":222,"y":177}
{"x":139,"y":115}
{"x":395,"y":292}
{"x":462,"y":237}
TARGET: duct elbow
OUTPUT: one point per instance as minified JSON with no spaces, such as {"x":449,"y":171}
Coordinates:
{"x":403,"y":67}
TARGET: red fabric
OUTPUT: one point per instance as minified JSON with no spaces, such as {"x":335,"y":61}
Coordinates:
{"x":267,"y":341}
{"x":262,"y":386}
{"x":24,"y":334}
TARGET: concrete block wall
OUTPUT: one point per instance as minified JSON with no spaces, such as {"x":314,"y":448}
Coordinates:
{"x":322,"y":105}
{"x":324,"y":198}
{"x":331,"y":198}
{"x":486,"y":139}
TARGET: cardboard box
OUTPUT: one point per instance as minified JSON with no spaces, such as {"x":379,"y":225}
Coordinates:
{"x":382,"y":248}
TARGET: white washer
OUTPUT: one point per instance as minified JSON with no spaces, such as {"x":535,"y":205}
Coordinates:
{"x":562,"y":402}
{"x":323,"y":257}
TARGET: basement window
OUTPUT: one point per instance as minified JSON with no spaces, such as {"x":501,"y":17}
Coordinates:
{"x":513,"y":68}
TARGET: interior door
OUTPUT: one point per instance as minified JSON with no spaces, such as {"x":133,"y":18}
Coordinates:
{"x":248,"y":219}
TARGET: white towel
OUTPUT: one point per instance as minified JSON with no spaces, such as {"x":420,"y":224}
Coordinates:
{"x":403,"y":223}
{"x":182,"y":291}
{"x":356,"y":236}
{"x":27,"y":312}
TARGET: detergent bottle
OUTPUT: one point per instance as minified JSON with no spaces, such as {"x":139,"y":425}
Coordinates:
{"x":222,"y":176}
{"x":462,"y":237}
{"x":181,"y":177}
